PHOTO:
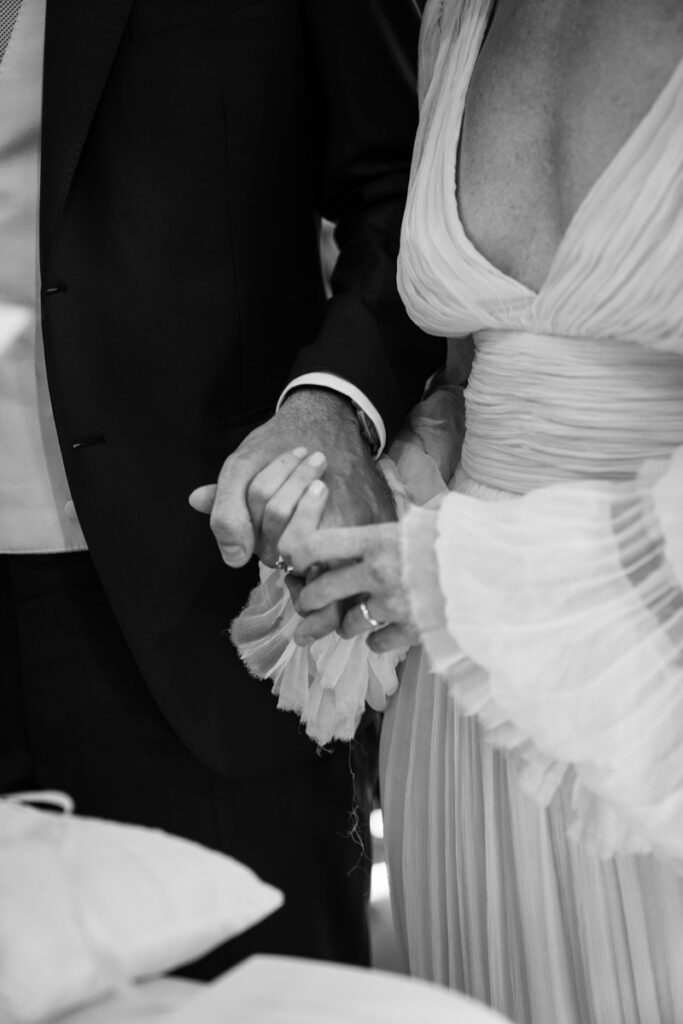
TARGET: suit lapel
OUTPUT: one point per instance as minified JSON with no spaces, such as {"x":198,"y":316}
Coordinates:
{"x":81,"y":39}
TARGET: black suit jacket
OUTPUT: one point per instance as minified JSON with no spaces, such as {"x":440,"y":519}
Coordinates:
{"x":189,"y":149}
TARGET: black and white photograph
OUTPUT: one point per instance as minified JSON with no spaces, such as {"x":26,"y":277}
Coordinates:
{"x":341,"y":511}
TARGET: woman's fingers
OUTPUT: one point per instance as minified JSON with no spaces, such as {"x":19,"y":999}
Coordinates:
{"x":342,"y":544}
{"x":269,"y":480}
{"x":364,"y":617}
{"x":334,"y":585}
{"x":319,"y":624}
{"x":275,"y":492}
{"x":392,"y":638}
{"x":295,"y":585}
{"x":281,"y":506}
{"x":303,"y":521}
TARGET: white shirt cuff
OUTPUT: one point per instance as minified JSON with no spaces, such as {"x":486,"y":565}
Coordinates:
{"x":334,"y":383}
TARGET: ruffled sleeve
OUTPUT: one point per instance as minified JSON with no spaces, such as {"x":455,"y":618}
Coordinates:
{"x":571,"y":600}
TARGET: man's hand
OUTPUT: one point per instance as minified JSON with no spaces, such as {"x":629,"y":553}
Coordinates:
{"x":318,"y":421}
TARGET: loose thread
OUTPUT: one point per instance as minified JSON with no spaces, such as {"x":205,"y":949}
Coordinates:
{"x":355,"y":830}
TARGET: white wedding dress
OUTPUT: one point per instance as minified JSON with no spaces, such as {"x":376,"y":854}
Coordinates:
{"x":532,"y":758}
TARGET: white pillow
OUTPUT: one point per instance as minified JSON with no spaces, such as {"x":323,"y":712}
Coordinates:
{"x":87,"y":906}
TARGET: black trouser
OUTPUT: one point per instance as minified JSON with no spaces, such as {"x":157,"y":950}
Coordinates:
{"x":76,"y":715}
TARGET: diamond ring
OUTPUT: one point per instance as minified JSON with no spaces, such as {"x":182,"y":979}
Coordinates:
{"x":283,"y":565}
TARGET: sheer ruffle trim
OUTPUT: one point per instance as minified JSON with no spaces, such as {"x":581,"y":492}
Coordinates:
{"x":329,"y":683}
{"x":559,"y":622}
{"x":668,"y":508}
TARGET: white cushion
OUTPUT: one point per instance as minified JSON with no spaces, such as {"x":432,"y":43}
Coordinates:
{"x":288,"y":990}
{"x":87,"y":906}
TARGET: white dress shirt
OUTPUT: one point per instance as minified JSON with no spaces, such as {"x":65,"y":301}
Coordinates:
{"x":37,"y":513}
{"x":36,"y":510}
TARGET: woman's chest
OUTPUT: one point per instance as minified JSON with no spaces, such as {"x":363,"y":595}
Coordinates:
{"x":558,"y":88}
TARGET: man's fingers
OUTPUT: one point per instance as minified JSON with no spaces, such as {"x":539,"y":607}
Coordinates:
{"x":318,"y":624}
{"x":230,"y":519}
{"x":202,"y":498}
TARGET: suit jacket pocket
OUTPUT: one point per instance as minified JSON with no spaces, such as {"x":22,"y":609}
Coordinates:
{"x":153,"y":17}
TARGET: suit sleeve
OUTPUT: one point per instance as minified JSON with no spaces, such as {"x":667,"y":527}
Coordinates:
{"x":364,"y":67}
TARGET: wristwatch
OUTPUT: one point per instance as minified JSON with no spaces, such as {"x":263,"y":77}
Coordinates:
{"x":368,"y":430}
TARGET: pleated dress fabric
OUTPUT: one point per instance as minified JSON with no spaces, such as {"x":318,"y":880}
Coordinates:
{"x":523,"y":869}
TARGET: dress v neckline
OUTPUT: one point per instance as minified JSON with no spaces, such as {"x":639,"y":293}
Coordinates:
{"x":452,"y":152}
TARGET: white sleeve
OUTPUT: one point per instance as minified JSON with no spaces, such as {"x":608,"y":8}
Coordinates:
{"x":571,"y":599}
{"x":343,"y":387}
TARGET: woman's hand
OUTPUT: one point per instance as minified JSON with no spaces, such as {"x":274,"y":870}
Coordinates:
{"x":369,"y":571}
{"x":309,"y":420}
{"x":289,"y":484}
{"x":334,"y":568}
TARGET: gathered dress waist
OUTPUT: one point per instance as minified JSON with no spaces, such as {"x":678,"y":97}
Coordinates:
{"x":542,"y":409}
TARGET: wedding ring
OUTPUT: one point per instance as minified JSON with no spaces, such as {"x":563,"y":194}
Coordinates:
{"x":372,"y":623}
{"x":283,"y":565}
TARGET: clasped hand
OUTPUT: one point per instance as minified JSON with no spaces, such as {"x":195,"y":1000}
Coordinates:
{"x":359,"y":567}
{"x":271,"y":500}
